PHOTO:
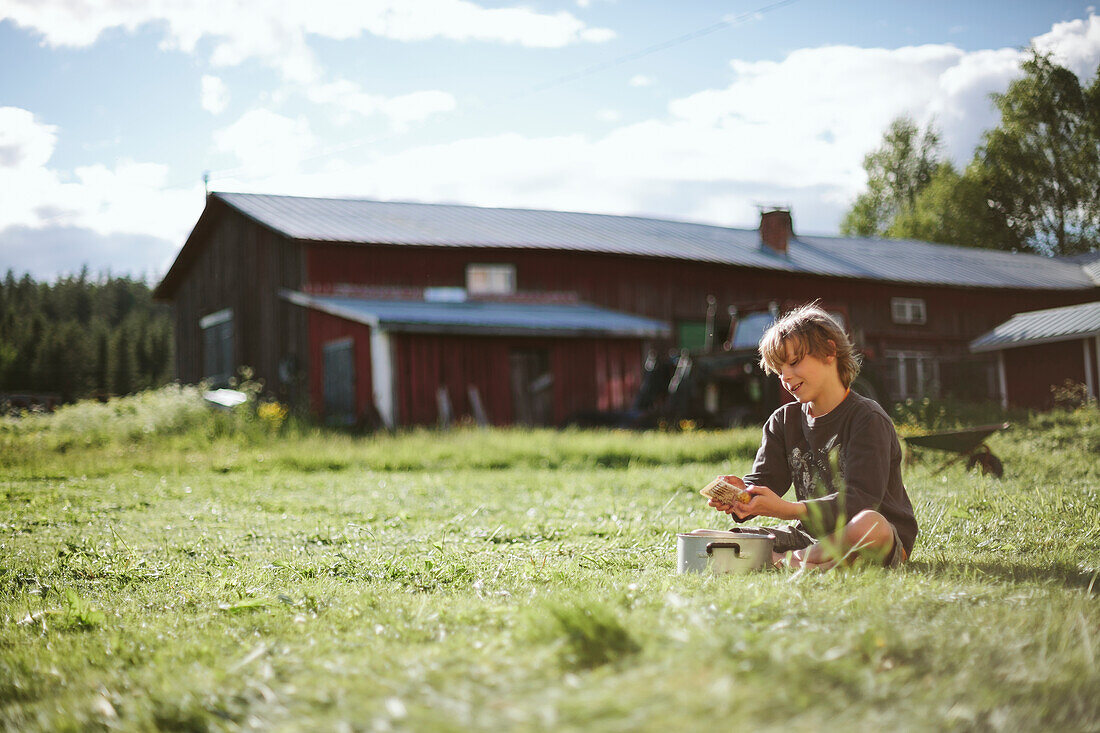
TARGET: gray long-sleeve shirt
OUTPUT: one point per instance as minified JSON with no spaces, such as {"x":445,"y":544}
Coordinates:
{"x":855,"y":442}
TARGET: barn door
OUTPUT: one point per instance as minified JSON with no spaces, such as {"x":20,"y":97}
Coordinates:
{"x":532,"y":387}
{"x":339,"y":382}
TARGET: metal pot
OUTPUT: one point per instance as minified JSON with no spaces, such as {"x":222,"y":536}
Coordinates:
{"x":723,"y":552}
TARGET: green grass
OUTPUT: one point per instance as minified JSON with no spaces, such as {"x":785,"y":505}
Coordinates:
{"x":207,"y":574}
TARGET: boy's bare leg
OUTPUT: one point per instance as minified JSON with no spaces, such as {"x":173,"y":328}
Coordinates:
{"x":807,"y":557}
{"x":814,"y":557}
{"x":867,"y":536}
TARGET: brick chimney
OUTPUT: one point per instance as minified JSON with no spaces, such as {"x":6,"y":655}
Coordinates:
{"x":775,"y":229}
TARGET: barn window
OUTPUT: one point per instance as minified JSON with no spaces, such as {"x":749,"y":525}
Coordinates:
{"x":908,"y":310}
{"x":911,"y":374}
{"x":491,"y":279}
{"x":217,"y":347}
{"x":750,"y":329}
{"x":338,"y":370}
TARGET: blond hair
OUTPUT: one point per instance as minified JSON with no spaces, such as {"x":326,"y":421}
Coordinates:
{"x":810,"y":330}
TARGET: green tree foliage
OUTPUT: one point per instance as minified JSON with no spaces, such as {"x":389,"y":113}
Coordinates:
{"x":1043,"y":161}
{"x":1031,"y":186}
{"x":79,"y":337}
{"x":122,"y":363}
{"x":954,"y":209}
{"x":897,"y":172}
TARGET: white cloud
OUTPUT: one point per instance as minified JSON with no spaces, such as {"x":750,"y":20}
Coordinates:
{"x":401,"y":110}
{"x":25,"y":144}
{"x":793,"y":130}
{"x":608,"y":115}
{"x":215,"y":94}
{"x":597,"y":35}
{"x":417,"y":106}
{"x":459,"y":20}
{"x":29,"y":187}
{"x":641,"y":80}
{"x":127,"y":198}
{"x":266,"y":143}
{"x":276,"y":33}
{"x":808,"y":119}
{"x":1074,"y":44}
{"x":132,"y":197}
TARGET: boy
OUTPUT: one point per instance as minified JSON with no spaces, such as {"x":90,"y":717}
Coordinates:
{"x":838,"y":448}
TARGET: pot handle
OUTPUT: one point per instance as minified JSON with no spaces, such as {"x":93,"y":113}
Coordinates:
{"x":712,"y":546}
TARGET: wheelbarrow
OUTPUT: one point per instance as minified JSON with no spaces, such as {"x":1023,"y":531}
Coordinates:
{"x":969,"y":444}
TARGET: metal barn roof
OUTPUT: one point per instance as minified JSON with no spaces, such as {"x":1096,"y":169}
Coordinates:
{"x":1090,"y":262}
{"x":1042,"y":327}
{"x":483,"y":318}
{"x":446,"y":225}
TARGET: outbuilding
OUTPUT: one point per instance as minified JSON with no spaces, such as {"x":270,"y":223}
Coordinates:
{"x":1039,"y":351}
{"x":408,"y":313}
{"x":534,"y":360}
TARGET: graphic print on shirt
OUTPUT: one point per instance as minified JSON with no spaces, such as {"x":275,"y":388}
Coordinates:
{"x":809,"y":467}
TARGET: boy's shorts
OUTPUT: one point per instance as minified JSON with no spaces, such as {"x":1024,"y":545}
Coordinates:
{"x":793,"y":537}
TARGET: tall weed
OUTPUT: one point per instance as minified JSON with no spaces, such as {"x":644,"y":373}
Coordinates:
{"x":589,"y":634}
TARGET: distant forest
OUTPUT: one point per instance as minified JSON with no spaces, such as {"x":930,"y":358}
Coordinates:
{"x":82,"y":336}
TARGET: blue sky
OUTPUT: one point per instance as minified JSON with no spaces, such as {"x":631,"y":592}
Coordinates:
{"x":110,"y":115}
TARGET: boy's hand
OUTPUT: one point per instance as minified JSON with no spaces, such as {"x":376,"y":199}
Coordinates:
{"x":769,"y":504}
{"x":737,"y":509}
{"x":726,"y":490}
{"x":730,"y":507}
{"x":764,"y":502}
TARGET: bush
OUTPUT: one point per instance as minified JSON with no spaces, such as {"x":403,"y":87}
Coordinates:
{"x":170,"y":411}
{"x":919,"y":415}
{"x":1070,"y":395}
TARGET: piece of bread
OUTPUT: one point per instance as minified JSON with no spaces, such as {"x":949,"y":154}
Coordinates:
{"x":726,"y":492}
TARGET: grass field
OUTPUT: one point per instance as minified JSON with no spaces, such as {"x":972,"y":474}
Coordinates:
{"x":165,"y":568}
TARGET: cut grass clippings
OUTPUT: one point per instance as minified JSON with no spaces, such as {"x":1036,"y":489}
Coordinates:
{"x":187,"y":578}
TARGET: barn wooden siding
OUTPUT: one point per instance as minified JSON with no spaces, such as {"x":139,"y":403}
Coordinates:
{"x":675,"y":291}
{"x":242,"y":265}
{"x":1030,"y":371}
{"x":588,"y":373}
{"x":324,"y":328}
{"x":230,"y":261}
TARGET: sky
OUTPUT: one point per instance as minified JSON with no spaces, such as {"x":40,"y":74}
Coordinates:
{"x":112,"y":111}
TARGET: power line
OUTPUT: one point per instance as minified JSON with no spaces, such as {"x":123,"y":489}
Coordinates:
{"x":635,"y":55}
{"x":726,"y":22}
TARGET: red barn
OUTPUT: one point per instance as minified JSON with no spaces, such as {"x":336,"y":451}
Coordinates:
{"x":404,"y":311}
{"x":1041,"y":350}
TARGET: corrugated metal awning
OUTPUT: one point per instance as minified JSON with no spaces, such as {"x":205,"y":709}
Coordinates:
{"x":484,"y":318}
{"x":1042,"y":327}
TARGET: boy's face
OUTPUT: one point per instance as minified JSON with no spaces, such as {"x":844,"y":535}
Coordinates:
{"x":807,"y":377}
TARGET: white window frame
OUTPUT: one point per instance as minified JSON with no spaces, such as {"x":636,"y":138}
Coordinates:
{"x":910,"y":311}
{"x":490,"y":279}
{"x":927,"y":369}
{"x":216,"y":318}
